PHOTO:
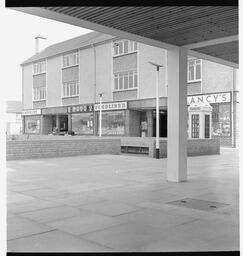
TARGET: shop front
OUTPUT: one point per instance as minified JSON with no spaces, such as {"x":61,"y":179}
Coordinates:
{"x":221,"y":104}
{"x":55,"y":120}
{"x":31,"y":121}
{"x":113,"y":118}
{"x":82,"y":119}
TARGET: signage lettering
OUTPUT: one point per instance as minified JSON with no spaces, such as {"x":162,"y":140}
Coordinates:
{"x":111,"y":106}
{"x":31,"y":112}
{"x":80,"y":108}
{"x":209,"y":98}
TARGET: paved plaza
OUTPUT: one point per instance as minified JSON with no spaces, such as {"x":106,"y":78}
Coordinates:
{"x":110,"y":203}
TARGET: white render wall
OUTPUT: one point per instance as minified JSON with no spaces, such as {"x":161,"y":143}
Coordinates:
{"x":27,"y":86}
{"x":147,"y":72}
{"x":53,"y":81}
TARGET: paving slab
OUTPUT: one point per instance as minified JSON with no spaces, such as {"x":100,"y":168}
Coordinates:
{"x":106,"y":189}
{"x":30,"y":206}
{"x":54,"y":241}
{"x":156,"y":218}
{"x":20,"y":227}
{"x":51,"y":214}
{"x":125,"y":237}
{"x":84,"y":223}
{"x":109,"y":208}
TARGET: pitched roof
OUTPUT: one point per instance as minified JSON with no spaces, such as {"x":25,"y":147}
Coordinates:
{"x":13,"y":106}
{"x":69,"y":45}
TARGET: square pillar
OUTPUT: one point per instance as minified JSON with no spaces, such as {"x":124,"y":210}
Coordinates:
{"x":70,"y":122}
{"x":57,"y":122}
{"x":149,"y":114}
{"x":177,"y":115}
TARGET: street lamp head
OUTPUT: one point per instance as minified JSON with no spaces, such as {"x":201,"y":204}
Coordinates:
{"x":156,"y":64}
{"x":100,"y":94}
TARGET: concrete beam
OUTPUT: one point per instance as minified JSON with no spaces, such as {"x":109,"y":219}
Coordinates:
{"x":177,"y":115}
{"x":220,"y":40}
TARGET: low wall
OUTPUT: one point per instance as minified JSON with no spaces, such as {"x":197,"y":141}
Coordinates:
{"x":61,"y":147}
{"x":195,"y":147}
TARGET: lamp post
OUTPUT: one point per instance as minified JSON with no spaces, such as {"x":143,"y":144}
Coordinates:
{"x":94,"y":121}
{"x":100,"y":133}
{"x":157,"y":107}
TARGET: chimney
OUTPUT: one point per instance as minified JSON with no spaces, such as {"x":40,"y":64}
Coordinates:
{"x":37,"y":43}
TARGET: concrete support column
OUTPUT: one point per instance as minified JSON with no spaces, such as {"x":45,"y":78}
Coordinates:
{"x":41,"y":124}
{"x":149,"y":114}
{"x":234,"y":119}
{"x":69,"y":122}
{"x":57,"y":122}
{"x":127,"y":123}
{"x":23,"y":124}
{"x":177,"y":115}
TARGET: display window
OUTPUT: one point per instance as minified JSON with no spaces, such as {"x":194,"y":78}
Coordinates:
{"x":221,"y":121}
{"x":32,"y":124}
{"x":82,"y":123}
{"x":113,"y":123}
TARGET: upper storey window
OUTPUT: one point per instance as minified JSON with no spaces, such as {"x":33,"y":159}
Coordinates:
{"x":194,"y":70}
{"x":123,"y":47}
{"x":70,"y":60}
{"x":39,"y":67}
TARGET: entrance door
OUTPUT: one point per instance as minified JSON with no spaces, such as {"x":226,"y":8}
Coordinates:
{"x":63,"y":121}
{"x":162,"y":124}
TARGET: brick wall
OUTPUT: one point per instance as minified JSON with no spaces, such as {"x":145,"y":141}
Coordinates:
{"x":195,"y":147}
{"x":39,"y":104}
{"x":61,"y":147}
{"x":194,"y":88}
{"x":125,"y":62}
{"x":125,"y":95}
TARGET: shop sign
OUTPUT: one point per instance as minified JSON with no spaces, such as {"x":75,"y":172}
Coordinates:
{"x":31,"y":112}
{"x":111,"y":106}
{"x":209,"y":98}
{"x":81,"y":108}
{"x":54,"y":110}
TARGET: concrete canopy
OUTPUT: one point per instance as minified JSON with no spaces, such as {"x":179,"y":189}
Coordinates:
{"x":209,"y":32}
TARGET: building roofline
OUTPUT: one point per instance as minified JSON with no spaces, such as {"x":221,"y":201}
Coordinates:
{"x":44,"y":54}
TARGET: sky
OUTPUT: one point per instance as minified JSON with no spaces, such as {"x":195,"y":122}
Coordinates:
{"x":18,"y":31}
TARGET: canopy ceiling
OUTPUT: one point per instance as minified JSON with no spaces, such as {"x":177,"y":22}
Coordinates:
{"x":211,"y":30}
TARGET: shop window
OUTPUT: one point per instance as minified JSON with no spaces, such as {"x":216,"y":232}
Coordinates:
{"x":113,"y":123}
{"x":82,"y":123}
{"x":221,"y":121}
{"x":70,"y":60}
{"x":39,"y":93}
{"x":195,"y":126}
{"x":123,"y":47}
{"x":70,"y":89}
{"x":125,"y":80}
{"x":39,"y":67}
{"x":32,"y":124}
{"x":194,"y":70}
{"x":207,"y":126}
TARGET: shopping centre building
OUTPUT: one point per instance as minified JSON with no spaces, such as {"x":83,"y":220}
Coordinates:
{"x":62,"y":86}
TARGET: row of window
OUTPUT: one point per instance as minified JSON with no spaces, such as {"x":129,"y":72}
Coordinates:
{"x":39,"y":93}
{"x":123,"y":47}
{"x":39,"y":67}
{"x":71,"y":59}
{"x":125,"y":80}
{"x":194,"y":66}
{"x":70,"y":89}
{"x":194,"y":70}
